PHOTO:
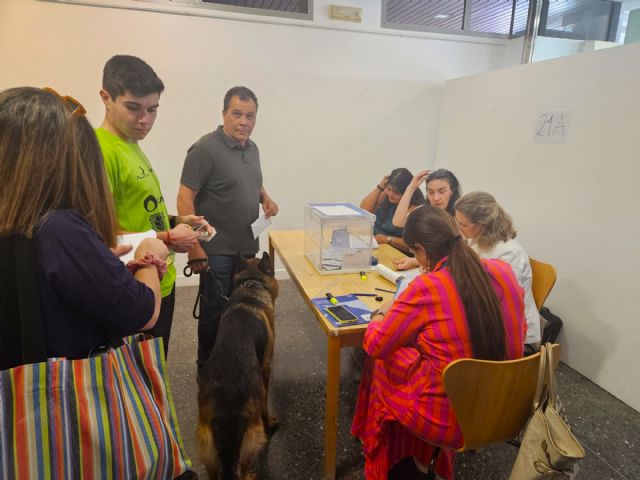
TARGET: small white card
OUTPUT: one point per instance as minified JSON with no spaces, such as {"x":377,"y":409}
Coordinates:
{"x":260,"y":225}
{"x":337,"y":210}
{"x":133,"y":239}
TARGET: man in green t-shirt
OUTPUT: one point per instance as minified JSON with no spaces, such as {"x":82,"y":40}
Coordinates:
{"x":131,"y":93}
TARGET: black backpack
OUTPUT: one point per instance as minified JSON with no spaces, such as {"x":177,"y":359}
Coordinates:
{"x":552,"y":326}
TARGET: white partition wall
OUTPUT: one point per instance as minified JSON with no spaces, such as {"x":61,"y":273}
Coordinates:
{"x":339,"y":108}
{"x":575,"y":203}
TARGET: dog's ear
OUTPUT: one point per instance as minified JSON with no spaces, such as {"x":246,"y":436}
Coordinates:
{"x":265,"y":264}
{"x":241,"y":263}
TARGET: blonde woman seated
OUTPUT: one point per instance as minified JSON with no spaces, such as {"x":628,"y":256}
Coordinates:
{"x":489,"y":231}
{"x":464,"y":307}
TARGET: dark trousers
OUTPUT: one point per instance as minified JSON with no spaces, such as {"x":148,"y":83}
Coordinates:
{"x":215,"y":285}
{"x":162,"y":328}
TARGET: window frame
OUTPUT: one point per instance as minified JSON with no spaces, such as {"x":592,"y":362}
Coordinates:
{"x":614,"y":15}
{"x":238,"y":9}
{"x":466,"y":23}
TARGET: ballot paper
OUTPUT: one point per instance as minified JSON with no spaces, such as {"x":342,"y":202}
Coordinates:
{"x":337,"y":210}
{"x":260,"y":225}
{"x":133,"y":239}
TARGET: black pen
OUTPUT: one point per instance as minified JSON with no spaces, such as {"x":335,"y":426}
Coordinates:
{"x":364,"y":294}
{"x":383,"y":290}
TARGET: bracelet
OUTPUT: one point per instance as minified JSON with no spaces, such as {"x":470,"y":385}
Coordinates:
{"x":168,"y":237}
{"x":379,"y":188}
{"x":148,"y":259}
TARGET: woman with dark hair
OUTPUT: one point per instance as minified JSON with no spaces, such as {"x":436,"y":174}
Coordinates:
{"x":489,"y":231}
{"x":462,"y":307}
{"x":56,"y":205}
{"x":443,"y":190}
{"x":383,"y":201}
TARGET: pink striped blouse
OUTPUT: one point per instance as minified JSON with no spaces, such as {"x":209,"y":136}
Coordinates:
{"x":425,"y":330}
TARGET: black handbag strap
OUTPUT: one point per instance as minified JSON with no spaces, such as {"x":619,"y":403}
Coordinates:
{"x":24,"y":341}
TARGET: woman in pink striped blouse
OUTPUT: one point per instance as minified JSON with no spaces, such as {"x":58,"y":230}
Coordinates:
{"x":461,"y":307}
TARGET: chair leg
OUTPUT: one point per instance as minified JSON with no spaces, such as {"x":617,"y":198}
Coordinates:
{"x":431,"y":474}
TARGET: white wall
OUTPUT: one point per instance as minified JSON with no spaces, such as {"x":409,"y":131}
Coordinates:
{"x":547,"y":48}
{"x":574,"y":204}
{"x":338,"y":108}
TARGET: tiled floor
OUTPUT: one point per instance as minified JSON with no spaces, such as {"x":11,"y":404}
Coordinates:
{"x":607,"y":428}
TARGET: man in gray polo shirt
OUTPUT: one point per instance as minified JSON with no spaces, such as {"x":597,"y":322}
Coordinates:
{"x":222,"y":180}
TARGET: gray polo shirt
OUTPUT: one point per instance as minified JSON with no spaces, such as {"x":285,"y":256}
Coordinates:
{"x":227,"y":179}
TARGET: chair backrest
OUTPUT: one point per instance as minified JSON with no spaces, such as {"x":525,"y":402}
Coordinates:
{"x":492,"y":400}
{"x":542,"y":281}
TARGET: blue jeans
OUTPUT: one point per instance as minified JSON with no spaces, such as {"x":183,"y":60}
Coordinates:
{"x":223,"y":267}
{"x":215,"y":285}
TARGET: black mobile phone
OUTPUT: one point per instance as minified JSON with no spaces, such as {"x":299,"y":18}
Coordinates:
{"x":341,"y":314}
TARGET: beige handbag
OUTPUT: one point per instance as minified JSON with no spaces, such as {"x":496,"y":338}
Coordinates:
{"x":549,"y":450}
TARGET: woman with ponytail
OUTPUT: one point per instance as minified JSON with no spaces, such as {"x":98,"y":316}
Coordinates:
{"x":461,"y":307}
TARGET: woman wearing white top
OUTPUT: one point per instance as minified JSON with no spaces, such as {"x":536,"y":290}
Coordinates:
{"x":489,"y":231}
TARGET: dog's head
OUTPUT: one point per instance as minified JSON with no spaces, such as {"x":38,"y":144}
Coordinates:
{"x":258,"y":270}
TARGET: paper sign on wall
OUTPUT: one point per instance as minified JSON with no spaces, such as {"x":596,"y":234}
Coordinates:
{"x":552,"y":127}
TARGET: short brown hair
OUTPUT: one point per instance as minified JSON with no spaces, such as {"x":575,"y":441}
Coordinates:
{"x":49,"y":159}
{"x":126,"y":73}
{"x":243,"y":93}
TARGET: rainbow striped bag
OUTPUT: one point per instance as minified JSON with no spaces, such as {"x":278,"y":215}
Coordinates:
{"x":105,"y":417}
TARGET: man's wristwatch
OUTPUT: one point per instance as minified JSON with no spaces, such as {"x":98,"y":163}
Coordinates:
{"x":389,"y":239}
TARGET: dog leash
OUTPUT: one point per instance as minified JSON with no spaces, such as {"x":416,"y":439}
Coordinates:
{"x":188,"y":269}
{"x":216,"y":293}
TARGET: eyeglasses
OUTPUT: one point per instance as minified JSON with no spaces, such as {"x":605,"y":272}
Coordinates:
{"x":76,"y":108}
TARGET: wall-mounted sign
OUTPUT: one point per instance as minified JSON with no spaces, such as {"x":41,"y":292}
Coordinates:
{"x":552,"y":127}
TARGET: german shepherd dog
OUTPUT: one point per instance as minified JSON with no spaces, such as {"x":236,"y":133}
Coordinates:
{"x":234,"y":418}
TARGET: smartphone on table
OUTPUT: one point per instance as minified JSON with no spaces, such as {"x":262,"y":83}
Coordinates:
{"x":342,"y":314}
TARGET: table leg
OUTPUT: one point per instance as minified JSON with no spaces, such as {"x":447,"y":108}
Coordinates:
{"x":272,"y":257}
{"x":331,"y":418}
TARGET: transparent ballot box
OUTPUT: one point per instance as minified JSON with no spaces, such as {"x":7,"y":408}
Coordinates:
{"x":338,"y":237}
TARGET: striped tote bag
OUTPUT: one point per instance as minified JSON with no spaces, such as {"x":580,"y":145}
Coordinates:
{"x":105,"y":417}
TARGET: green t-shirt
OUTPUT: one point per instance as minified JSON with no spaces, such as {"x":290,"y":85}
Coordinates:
{"x":136,"y":191}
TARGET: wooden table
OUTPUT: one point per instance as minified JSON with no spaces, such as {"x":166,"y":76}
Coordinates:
{"x":289,"y":245}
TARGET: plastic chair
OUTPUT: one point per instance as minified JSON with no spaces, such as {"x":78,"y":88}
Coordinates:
{"x":492,"y":400}
{"x":542,"y":281}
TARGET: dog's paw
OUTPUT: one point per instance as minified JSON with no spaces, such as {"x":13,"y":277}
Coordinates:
{"x":271,"y":425}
